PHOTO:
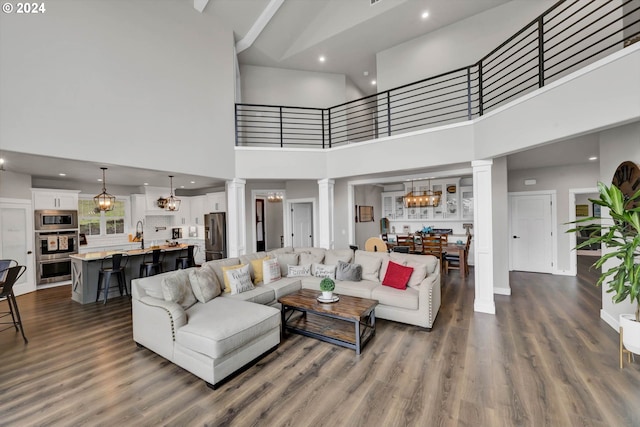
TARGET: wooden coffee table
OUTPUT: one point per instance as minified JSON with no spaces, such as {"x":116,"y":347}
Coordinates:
{"x":349,"y":322}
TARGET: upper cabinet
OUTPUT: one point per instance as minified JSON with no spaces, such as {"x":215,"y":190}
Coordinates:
{"x":216,"y":202}
{"x":55,"y":199}
{"x":198,"y":210}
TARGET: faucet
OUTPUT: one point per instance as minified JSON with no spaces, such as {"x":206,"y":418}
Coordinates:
{"x":140,"y":233}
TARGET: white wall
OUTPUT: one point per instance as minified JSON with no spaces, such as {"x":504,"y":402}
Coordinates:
{"x":616,"y":146}
{"x":279,"y":86}
{"x":15,"y":185}
{"x":560,"y":179}
{"x":126,"y":82}
{"x":368,"y":195}
{"x":455,"y":46}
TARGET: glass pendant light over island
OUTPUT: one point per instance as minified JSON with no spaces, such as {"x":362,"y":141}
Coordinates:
{"x":104,"y":201}
{"x":172,"y":202}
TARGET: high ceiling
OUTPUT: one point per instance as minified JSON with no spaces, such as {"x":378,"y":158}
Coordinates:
{"x":292,"y":34}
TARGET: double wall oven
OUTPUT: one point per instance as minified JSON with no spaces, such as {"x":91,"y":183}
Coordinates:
{"x":56,"y":239}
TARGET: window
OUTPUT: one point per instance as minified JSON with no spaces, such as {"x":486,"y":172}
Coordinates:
{"x":97,"y":223}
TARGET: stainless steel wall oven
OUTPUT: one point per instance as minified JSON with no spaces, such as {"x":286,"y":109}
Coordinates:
{"x":56,"y":238}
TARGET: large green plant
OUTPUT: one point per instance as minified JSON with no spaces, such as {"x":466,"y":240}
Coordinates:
{"x":621,"y":238}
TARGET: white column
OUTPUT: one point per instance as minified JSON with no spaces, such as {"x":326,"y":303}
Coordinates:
{"x":483,"y":236}
{"x":236,"y":218}
{"x":325,"y":213}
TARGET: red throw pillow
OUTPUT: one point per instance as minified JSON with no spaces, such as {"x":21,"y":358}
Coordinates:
{"x":397,"y":276}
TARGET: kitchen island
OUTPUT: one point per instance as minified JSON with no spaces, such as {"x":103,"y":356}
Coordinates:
{"x":85,"y":268}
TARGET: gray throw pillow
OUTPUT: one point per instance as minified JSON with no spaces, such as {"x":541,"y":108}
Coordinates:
{"x":347,"y":271}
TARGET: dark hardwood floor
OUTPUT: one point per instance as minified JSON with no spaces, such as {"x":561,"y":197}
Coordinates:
{"x":544,"y":359}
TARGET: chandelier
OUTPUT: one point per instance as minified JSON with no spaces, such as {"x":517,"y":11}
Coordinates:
{"x":420,"y":199}
{"x":275,"y":196}
{"x":104,"y":201}
{"x":172,"y":203}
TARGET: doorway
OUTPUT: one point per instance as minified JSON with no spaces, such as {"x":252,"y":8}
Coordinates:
{"x":581,"y":259}
{"x":16,"y":221}
{"x":260,"y":232}
{"x":267,"y":221}
{"x":531,"y":232}
{"x":302,"y":225}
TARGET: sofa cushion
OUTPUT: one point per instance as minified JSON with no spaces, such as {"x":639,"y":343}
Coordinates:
{"x":318,"y":252}
{"x":204,"y":283}
{"x":362,"y":289}
{"x":397,"y":276}
{"x":407,"y":298}
{"x":285,"y":250}
{"x":270,"y":270}
{"x":299,"y":270}
{"x":217,"y":265}
{"x":310,"y":258}
{"x":286,"y":260}
{"x":249,"y":259}
{"x":332,"y":256}
{"x":260,"y":294}
{"x":250,"y":321}
{"x":323,"y":270}
{"x":177,"y":288}
{"x":347,"y":271}
{"x":239,"y":279}
{"x":370,"y":262}
{"x":422,"y":266}
{"x":284,"y":286}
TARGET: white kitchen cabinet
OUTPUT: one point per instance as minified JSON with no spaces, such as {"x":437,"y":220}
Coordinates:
{"x":183,"y":215}
{"x":55,"y":199}
{"x":198,"y":210}
{"x":393,"y":205}
{"x":466,"y":199}
{"x":216,"y":202}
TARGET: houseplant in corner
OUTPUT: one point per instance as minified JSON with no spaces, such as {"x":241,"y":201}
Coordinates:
{"x":620,"y":238}
{"x":327,"y":286}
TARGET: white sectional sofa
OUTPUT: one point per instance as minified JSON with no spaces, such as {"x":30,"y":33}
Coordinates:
{"x":187,"y":318}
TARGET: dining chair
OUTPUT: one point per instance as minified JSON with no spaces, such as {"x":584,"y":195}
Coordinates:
{"x":432,"y":245}
{"x":114,"y":265}
{"x":452,"y":261}
{"x":153,"y":266}
{"x":375,"y":244}
{"x":406,"y":240}
{"x":10,"y":276}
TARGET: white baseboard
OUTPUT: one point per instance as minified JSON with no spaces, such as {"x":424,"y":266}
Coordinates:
{"x":611,"y":321}
{"x":502,"y":291}
{"x":564,"y":273}
{"x":484,"y":307}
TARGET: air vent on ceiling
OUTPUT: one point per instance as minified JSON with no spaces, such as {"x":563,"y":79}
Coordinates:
{"x":374,"y":2}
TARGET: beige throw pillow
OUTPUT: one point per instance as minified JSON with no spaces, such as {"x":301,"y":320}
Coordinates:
{"x":176,"y":288}
{"x":286,"y":260}
{"x":322,"y":270}
{"x":370,"y":265}
{"x":299,"y":270}
{"x":239,"y":279}
{"x":204,"y":283}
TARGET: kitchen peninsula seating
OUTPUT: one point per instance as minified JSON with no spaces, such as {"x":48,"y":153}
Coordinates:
{"x":150,"y":267}
{"x":9,"y":275}
{"x":188,"y":260}
{"x":117,"y":267}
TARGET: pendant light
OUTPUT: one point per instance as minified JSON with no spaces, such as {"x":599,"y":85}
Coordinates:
{"x":172,"y":202}
{"x":421,"y":199}
{"x":104,"y":201}
{"x":275,"y":197}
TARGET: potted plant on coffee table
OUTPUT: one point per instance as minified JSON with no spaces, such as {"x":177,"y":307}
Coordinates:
{"x":327,"y":286}
{"x":620,"y":238}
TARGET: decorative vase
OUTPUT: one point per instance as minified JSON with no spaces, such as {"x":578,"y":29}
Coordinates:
{"x":631,"y":332}
{"x":327,"y":295}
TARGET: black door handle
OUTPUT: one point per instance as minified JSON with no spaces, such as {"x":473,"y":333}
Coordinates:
{"x":516,"y":237}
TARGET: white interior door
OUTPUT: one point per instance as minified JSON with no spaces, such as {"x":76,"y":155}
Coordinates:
{"x":17,"y":241}
{"x":302,"y":225}
{"x":531,"y":233}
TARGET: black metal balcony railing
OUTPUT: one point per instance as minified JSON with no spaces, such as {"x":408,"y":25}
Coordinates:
{"x":568,"y":36}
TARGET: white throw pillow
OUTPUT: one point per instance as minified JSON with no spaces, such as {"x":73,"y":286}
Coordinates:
{"x":204,"y":283}
{"x":322,"y":270}
{"x":370,"y":265}
{"x":176,"y":288}
{"x":270,"y":270}
{"x":299,"y":270}
{"x":239,"y":279}
{"x":285,"y":260}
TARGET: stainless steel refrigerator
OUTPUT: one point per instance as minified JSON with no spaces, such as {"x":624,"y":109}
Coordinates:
{"x":215,"y":236}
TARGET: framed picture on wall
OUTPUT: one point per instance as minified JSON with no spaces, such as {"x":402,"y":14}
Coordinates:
{"x":582,"y":210}
{"x":596,"y":210}
{"x":365,"y":213}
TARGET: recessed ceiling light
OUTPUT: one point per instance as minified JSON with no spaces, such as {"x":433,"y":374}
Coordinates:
{"x":99,"y":179}
{"x":62,"y":174}
{"x":182,"y":186}
{"x":424,"y":15}
{"x":322,"y":58}
{"x":592,"y":158}
{"x":193,"y":182}
{"x":373,"y":82}
{"x":146,"y":183}
{"x":366,"y":73}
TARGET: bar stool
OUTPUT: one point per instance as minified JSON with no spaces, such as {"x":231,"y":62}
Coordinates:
{"x":104,"y":275}
{"x":188,"y":260}
{"x":153,"y":266}
{"x":9,"y":277}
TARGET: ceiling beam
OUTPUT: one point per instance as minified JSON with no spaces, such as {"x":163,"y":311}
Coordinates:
{"x":199,"y":5}
{"x":259,"y":25}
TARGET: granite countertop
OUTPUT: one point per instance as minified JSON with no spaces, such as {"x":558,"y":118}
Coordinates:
{"x":91,"y":256}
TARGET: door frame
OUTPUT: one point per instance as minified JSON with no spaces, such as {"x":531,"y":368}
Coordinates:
{"x":554,"y":225}
{"x":30,"y":279}
{"x":288,"y":226}
{"x":262,"y":194}
{"x":573,"y":257}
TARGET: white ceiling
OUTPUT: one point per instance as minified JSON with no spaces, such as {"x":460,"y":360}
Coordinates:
{"x":348,"y":32}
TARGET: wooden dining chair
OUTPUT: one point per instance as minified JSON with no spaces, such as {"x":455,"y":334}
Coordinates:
{"x":452,"y":262}
{"x":432,"y":245}
{"x":406,"y":240}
